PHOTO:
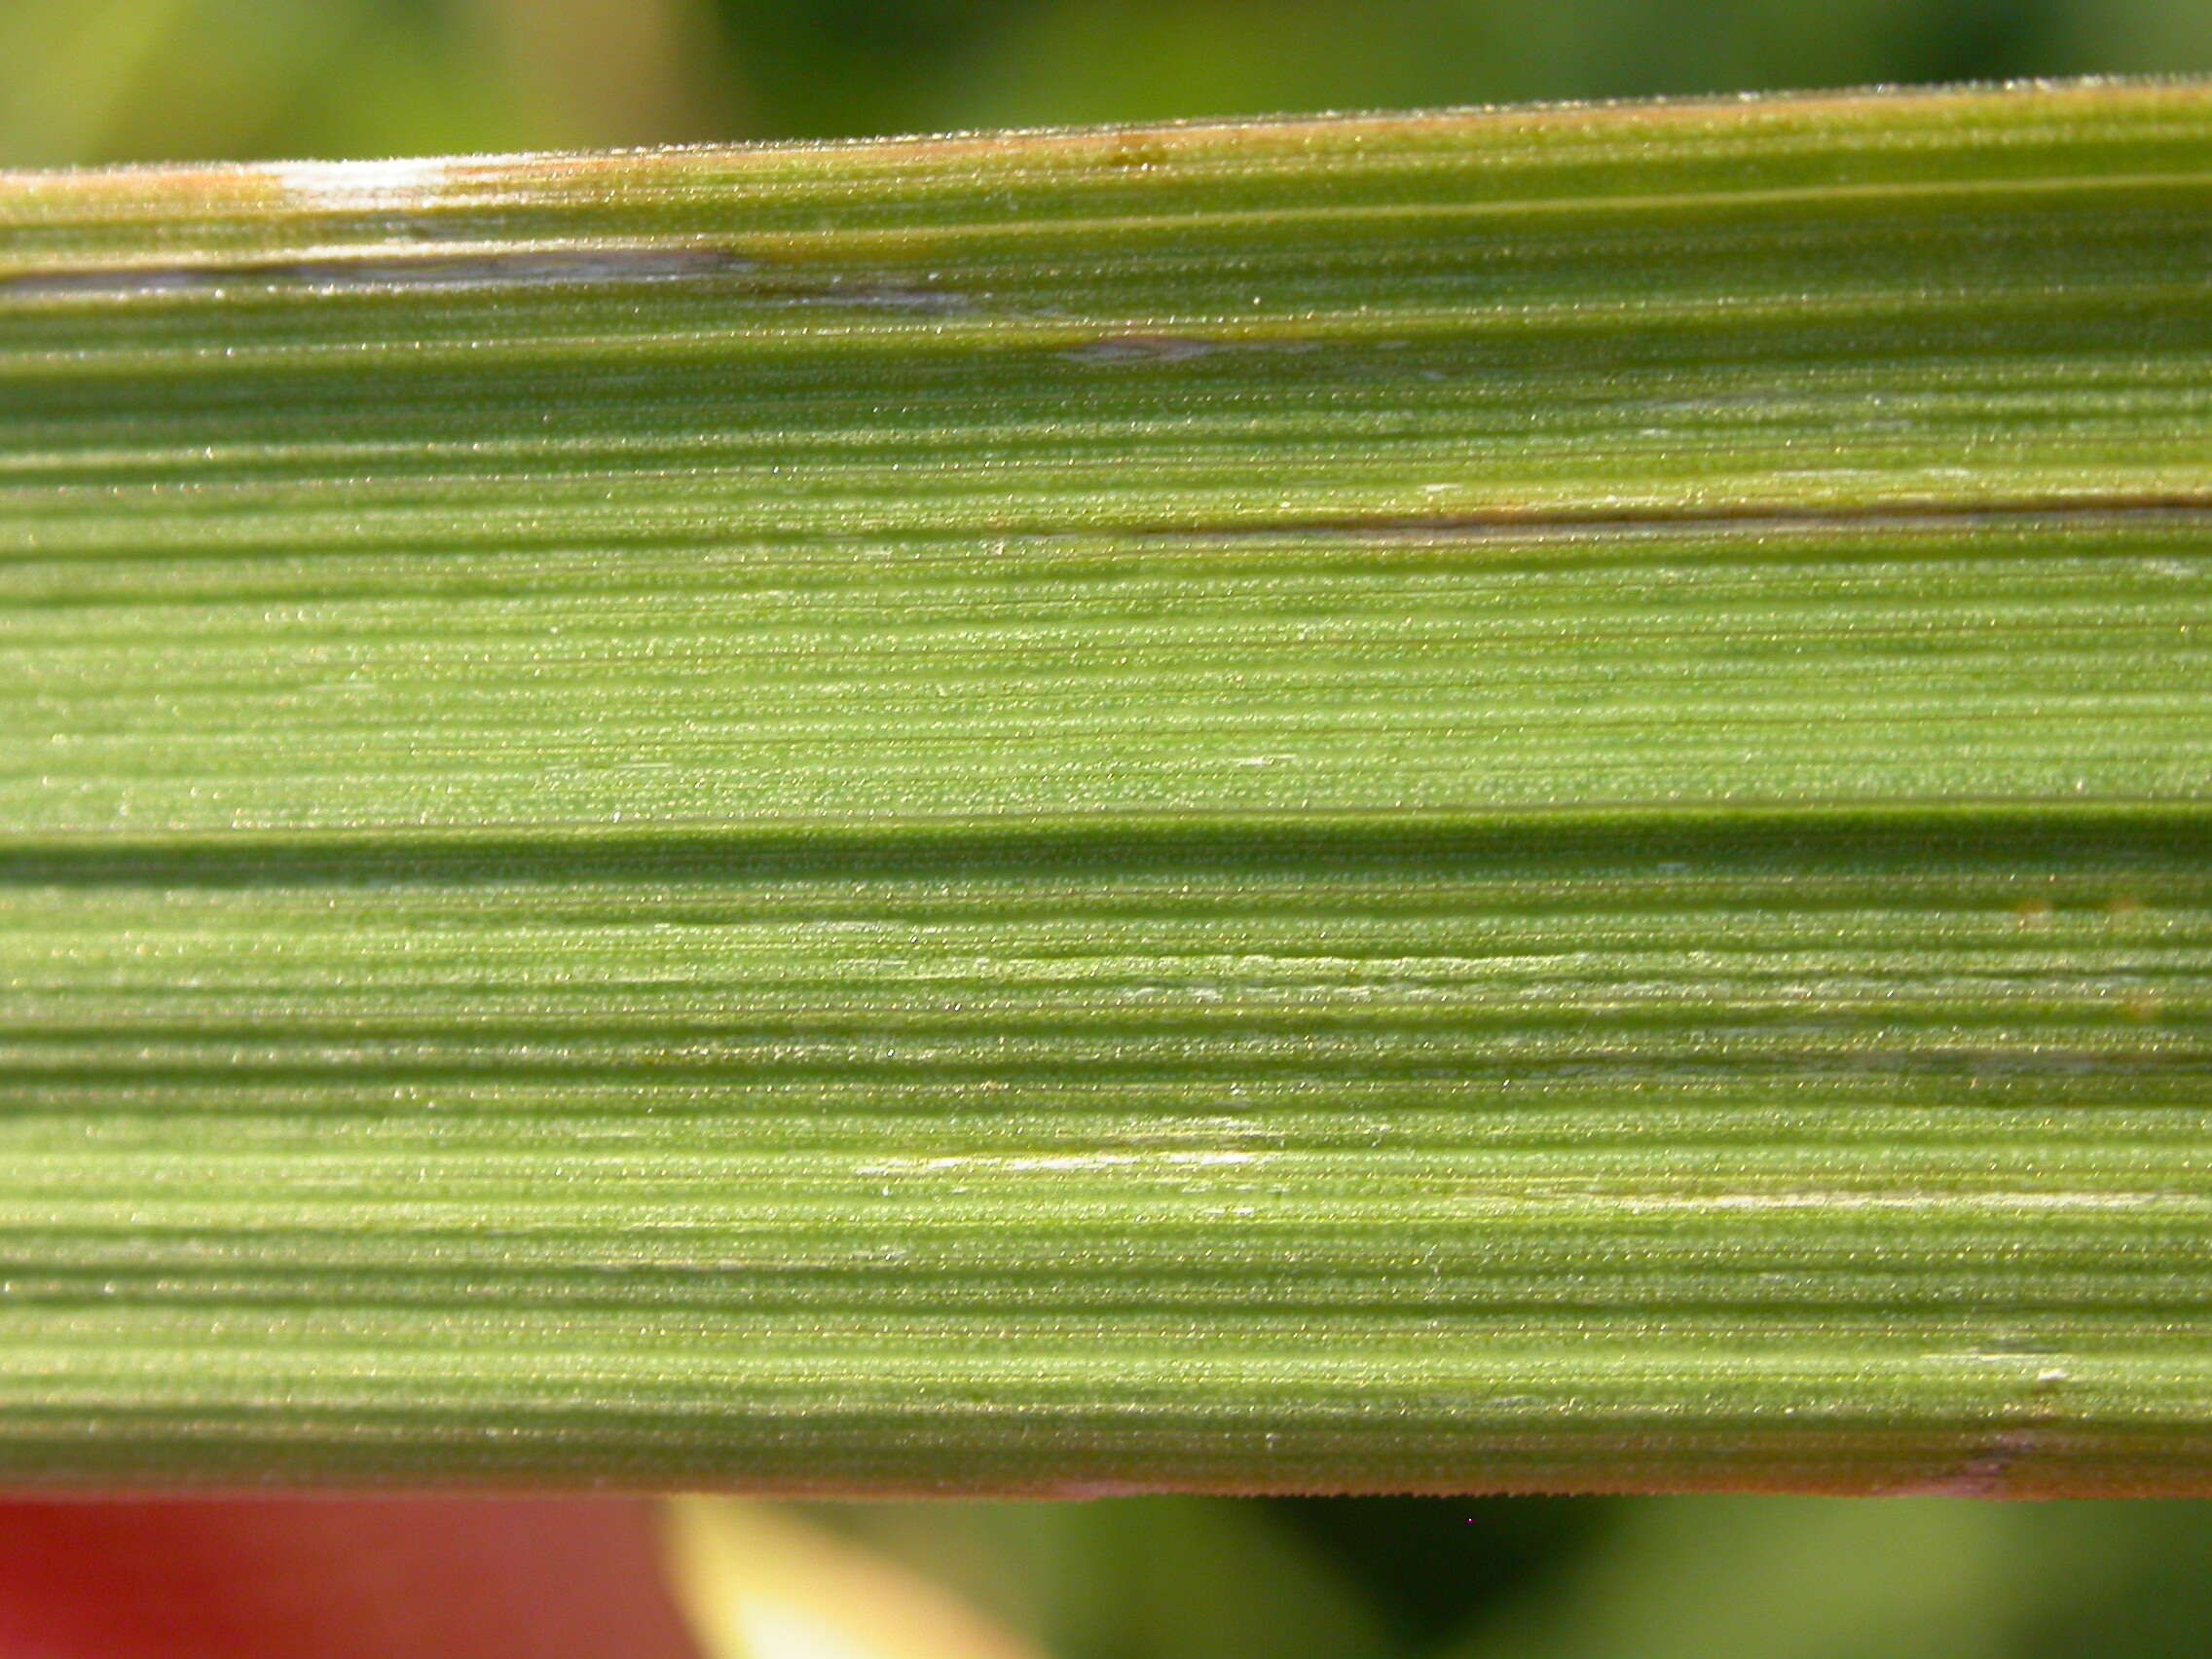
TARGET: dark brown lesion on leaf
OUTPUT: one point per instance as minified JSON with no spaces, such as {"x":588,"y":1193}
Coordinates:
{"x":1508,"y":518}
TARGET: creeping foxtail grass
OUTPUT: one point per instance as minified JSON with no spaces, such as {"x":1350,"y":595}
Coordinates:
{"x":1504,"y":800}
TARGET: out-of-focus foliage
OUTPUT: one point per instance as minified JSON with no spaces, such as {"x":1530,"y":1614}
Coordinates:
{"x":1667,"y":1578}
{"x":112,"y":80}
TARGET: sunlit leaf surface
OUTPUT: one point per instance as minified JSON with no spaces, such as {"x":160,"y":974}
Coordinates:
{"x":1507,"y":801}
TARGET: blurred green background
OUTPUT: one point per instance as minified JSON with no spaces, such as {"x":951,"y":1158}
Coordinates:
{"x":1637,"y":1578}
{"x":145,"y":80}
{"x":91,"y":81}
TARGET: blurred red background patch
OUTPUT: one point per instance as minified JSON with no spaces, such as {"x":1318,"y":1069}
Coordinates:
{"x":308,"y":1578}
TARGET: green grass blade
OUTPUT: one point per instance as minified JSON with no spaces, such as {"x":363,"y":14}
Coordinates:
{"x":1509,"y":800}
